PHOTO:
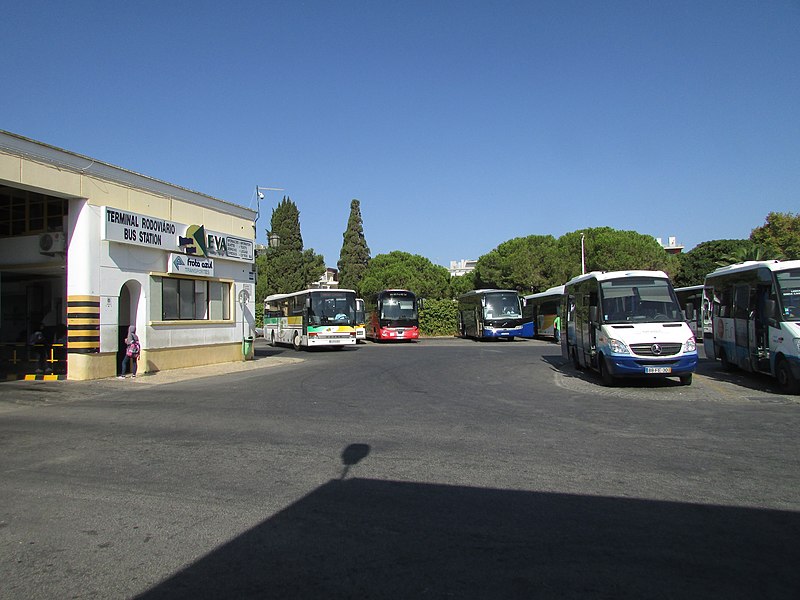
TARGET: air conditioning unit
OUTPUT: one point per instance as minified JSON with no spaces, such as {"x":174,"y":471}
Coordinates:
{"x":52,"y":243}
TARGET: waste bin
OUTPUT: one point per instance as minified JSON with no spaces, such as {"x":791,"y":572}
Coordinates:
{"x":247,"y":348}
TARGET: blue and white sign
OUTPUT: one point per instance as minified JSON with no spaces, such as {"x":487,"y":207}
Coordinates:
{"x":186,"y":264}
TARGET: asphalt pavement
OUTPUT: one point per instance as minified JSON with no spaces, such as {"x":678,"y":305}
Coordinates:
{"x":442,"y":469}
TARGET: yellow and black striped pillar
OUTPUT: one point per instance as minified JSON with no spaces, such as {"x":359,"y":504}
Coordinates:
{"x":83,"y":324}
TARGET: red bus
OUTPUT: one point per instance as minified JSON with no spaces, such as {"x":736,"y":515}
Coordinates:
{"x":392,"y":315}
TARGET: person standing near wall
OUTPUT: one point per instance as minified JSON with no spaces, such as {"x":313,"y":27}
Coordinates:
{"x":38,"y":347}
{"x":132,"y":351}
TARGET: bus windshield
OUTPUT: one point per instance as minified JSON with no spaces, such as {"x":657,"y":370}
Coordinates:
{"x":503,"y":305}
{"x":332,"y":307}
{"x":639,"y":300}
{"x":789,"y":290}
{"x":399,"y":308}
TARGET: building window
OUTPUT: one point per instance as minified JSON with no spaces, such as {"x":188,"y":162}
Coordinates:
{"x":25,"y":213}
{"x":195,"y":299}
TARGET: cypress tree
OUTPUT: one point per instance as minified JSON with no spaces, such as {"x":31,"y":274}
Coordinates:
{"x":288,"y":267}
{"x":354,"y":256}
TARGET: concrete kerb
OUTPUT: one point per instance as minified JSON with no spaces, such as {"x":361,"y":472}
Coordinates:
{"x":174,"y":375}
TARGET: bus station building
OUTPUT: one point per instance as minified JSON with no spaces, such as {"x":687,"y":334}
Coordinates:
{"x":88,"y":249}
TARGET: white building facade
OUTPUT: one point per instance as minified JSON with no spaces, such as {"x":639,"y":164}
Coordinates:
{"x":88,"y":249}
{"x":462,"y":267}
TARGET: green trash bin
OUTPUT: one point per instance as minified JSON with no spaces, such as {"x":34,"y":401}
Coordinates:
{"x":247,"y":348}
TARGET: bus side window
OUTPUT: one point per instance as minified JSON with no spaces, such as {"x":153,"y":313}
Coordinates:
{"x":724,"y":308}
{"x":742,"y":302}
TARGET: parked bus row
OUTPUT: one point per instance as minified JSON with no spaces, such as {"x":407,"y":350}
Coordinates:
{"x":620,"y":324}
{"x":746,"y":315}
{"x":336,"y":318}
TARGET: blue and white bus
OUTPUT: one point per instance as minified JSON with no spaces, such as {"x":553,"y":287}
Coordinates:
{"x":490,"y":314}
{"x":627,"y":324}
{"x":542,"y":309}
{"x":755,"y":319}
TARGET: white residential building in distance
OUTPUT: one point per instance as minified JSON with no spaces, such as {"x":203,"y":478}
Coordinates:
{"x":672,"y":246}
{"x":329,"y":280}
{"x":461,"y":267}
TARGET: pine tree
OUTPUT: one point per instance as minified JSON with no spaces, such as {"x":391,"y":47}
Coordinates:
{"x":288,"y":267}
{"x":354,"y":256}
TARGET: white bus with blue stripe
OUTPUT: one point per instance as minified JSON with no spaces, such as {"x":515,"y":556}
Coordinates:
{"x":627,"y":324}
{"x":755,"y":319}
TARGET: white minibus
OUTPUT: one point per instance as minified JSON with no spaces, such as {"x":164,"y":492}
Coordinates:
{"x":627,"y":324}
{"x":755,"y":319}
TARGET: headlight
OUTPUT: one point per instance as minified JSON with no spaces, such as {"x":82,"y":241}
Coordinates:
{"x":617,"y":347}
{"x":797,"y":344}
{"x":690,"y":345}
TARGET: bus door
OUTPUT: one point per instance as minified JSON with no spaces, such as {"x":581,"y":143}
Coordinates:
{"x":760,"y":352}
{"x":743,"y":326}
{"x":589,"y":315}
{"x":568,"y":340}
{"x":584,"y":329}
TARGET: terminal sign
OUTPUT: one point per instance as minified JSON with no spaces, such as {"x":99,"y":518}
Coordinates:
{"x":140,"y":230}
{"x":150,"y":232}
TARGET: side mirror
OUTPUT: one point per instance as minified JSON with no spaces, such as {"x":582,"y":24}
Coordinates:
{"x":420,"y":303}
{"x":308,"y":302}
{"x":593,"y":314}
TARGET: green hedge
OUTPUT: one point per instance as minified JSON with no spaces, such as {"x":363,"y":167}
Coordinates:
{"x":438,"y":317}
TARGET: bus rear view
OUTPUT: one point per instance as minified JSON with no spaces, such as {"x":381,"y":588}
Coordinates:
{"x":627,"y":324}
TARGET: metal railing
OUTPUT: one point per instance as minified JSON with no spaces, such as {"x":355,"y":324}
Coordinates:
{"x":20,"y":359}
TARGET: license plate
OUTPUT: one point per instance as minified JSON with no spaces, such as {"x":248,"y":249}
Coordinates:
{"x":658,"y":369}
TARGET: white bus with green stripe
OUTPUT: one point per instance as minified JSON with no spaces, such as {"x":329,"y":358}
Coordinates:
{"x":311,"y":318}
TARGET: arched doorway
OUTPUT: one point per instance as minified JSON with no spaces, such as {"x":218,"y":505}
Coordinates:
{"x":129,"y":296}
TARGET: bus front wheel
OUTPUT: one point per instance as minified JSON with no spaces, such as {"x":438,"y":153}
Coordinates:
{"x":296,"y":341}
{"x":608,"y":379}
{"x":786,"y":379}
{"x":272,"y":339}
{"x":575,"y":362}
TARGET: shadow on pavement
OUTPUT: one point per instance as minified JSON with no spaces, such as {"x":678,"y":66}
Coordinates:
{"x":363,"y":538}
{"x":756,"y":382}
{"x":565,"y":367}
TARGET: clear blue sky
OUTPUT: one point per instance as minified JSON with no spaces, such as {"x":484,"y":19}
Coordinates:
{"x":458,"y":125}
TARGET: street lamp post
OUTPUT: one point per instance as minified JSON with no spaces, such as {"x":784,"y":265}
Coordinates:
{"x":259,"y":197}
{"x":583,"y":257}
